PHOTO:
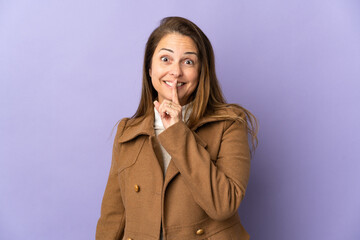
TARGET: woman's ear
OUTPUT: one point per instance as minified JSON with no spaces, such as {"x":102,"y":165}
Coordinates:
{"x":150,"y":72}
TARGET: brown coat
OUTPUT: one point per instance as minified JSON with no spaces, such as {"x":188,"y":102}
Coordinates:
{"x":200,"y":194}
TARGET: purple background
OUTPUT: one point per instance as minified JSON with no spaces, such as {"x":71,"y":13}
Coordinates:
{"x":69,"y":70}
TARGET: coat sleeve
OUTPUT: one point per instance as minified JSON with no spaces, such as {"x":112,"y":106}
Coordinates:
{"x":111,"y":223}
{"x":218,"y":187}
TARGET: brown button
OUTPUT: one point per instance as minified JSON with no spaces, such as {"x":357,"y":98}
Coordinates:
{"x":200,"y":231}
{"x":137,"y":188}
{"x":129,"y":239}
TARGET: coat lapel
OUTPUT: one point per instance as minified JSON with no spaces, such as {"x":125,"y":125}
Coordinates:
{"x":171,"y":172}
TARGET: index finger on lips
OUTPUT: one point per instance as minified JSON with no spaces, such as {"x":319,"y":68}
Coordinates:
{"x":175,"y":97}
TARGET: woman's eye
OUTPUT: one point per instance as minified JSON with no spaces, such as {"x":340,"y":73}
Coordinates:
{"x":164,"y":59}
{"x":189,"y":62}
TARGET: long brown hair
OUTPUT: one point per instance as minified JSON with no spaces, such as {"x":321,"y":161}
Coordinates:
{"x":207,"y":97}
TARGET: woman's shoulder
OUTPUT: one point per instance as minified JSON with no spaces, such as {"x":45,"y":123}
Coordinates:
{"x":236,"y":115}
{"x":230,"y":112}
{"x":129,"y":128}
{"x":126,"y":122}
{"x":224,"y":115}
{"x":121,"y":125}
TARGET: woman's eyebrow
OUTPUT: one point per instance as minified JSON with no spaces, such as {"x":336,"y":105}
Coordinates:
{"x":169,"y":50}
{"x":166,"y":49}
{"x":191,"y":53}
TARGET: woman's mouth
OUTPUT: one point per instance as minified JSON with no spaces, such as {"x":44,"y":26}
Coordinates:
{"x":179,"y":84}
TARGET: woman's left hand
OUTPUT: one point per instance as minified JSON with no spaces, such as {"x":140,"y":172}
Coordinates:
{"x":170,"y":111}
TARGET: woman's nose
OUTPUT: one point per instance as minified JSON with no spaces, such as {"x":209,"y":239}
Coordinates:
{"x":176,"y":70}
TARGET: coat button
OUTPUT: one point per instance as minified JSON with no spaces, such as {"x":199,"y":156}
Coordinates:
{"x":136,"y":188}
{"x":129,"y":239}
{"x":200,"y":231}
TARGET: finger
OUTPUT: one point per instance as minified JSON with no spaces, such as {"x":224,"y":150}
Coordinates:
{"x":172,"y":109}
{"x":157,"y":105}
{"x":159,"y":108}
{"x":162,"y":109}
{"x":175,"y":97}
{"x":170,"y":104}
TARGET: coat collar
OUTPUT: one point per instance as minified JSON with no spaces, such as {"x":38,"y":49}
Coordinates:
{"x":145,"y":126}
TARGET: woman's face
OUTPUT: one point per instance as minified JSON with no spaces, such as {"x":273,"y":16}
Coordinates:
{"x":175,"y":58}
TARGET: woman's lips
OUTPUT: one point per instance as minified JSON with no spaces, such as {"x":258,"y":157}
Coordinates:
{"x":179,"y":84}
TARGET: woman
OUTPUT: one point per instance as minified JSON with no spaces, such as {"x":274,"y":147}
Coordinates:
{"x":181,"y":164}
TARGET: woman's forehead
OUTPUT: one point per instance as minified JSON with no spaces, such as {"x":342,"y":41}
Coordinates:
{"x":173,"y":42}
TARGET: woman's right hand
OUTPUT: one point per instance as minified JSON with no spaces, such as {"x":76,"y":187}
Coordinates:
{"x":170,"y":111}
